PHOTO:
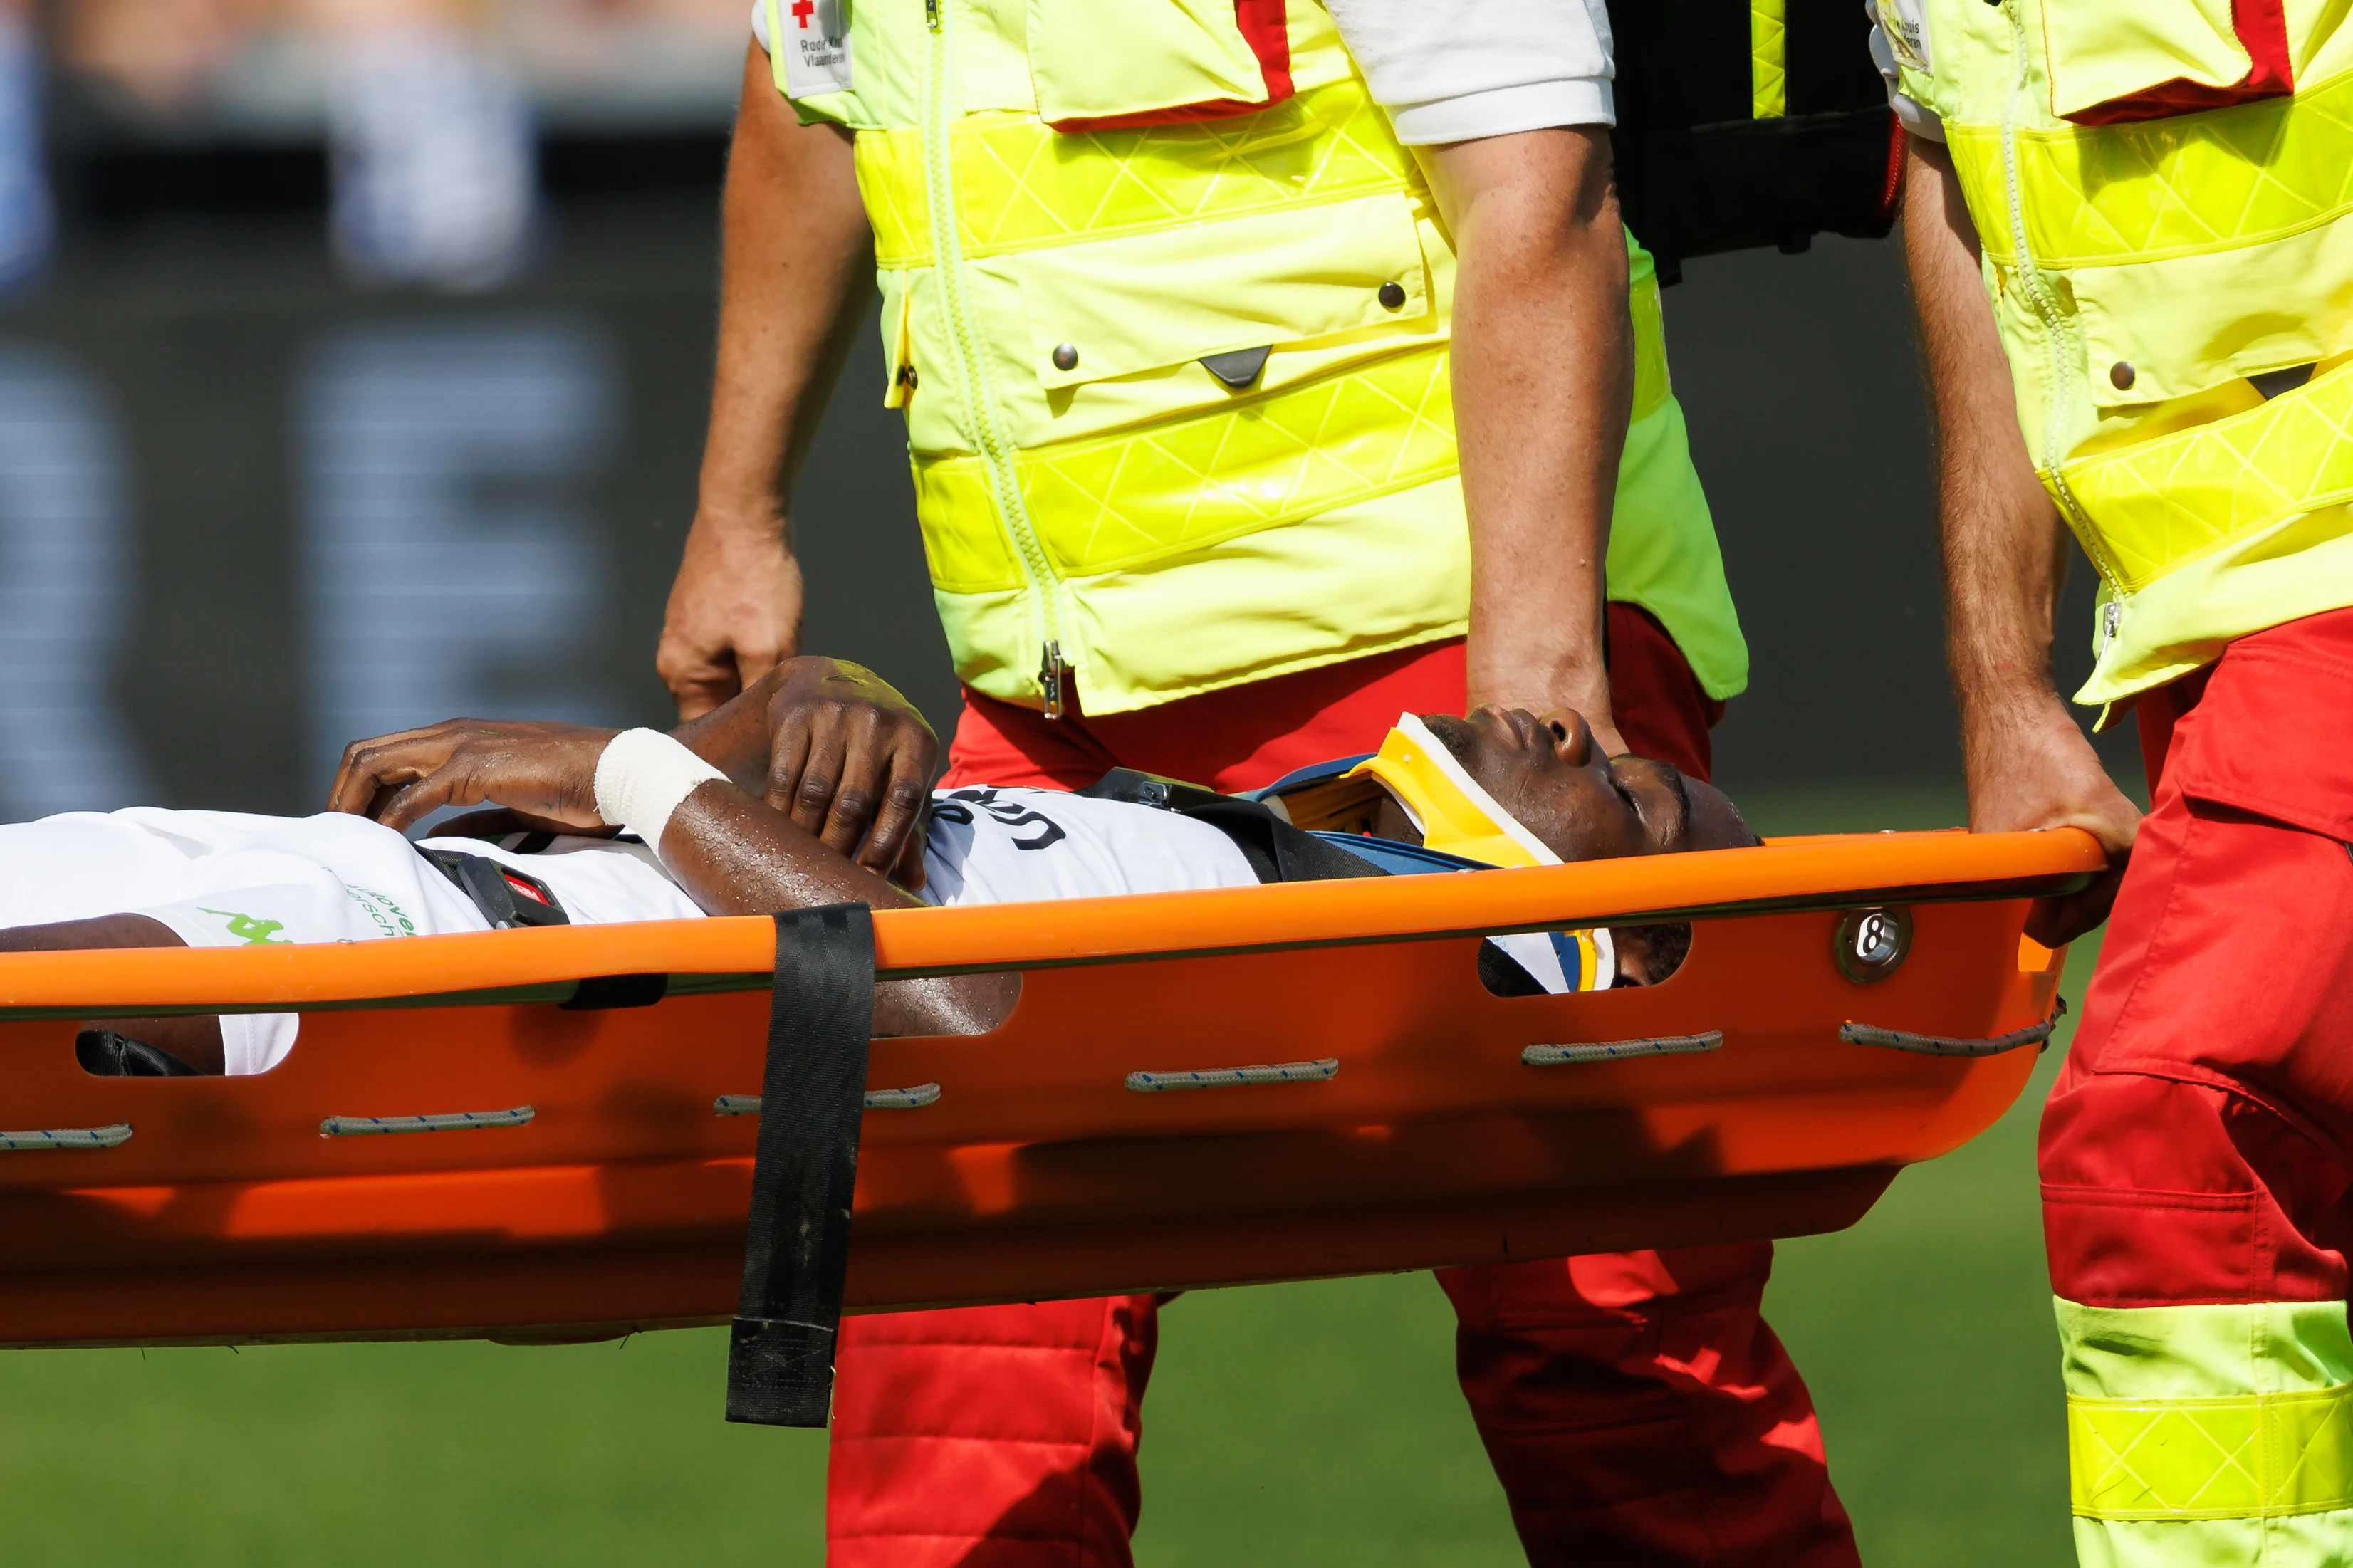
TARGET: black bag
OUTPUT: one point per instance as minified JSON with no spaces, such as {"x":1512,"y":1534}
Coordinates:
{"x":1698,"y":173}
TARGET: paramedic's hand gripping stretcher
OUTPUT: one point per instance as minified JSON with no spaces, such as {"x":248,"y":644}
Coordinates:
{"x":1139,"y":1037}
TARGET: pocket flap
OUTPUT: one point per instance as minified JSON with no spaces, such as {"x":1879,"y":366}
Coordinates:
{"x":2260,"y":739}
{"x":2148,"y":59}
{"x":1114,"y":60}
{"x":1144,"y":301}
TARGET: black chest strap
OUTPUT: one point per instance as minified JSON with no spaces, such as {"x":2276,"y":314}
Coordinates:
{"x":1280,"y":852}
{"x":1276,"y":851}
{"x":506,"y":897}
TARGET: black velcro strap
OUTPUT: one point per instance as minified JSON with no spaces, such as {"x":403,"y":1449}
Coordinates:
{"x":494,"y":888}
{"x":812,"y":1098}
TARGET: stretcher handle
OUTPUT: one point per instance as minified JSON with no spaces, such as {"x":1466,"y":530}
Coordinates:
{"x":1234,"y":1078}
{"x":1618,"y":1050}
{"x":912,"y":1097}
{"x":439,"y":1122}
{"x":105,"y":1137}
{"x":1950,"y":1045}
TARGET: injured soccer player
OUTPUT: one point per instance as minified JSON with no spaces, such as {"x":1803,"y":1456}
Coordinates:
{"x":811,"y":788}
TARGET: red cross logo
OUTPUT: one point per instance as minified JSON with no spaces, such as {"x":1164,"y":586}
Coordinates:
{"x":802,"y":11}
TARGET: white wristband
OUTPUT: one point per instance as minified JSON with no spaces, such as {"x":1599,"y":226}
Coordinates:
{"x":642,"y":777}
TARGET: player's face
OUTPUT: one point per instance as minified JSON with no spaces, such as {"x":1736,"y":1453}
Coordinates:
{"x":1547,"y":772}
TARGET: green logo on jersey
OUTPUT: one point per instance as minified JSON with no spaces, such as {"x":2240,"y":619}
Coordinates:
{"x":390,"y":919}
{"x":249,"y":931}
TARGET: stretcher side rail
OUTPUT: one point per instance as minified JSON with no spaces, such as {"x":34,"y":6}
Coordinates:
{"x":552,"y":963}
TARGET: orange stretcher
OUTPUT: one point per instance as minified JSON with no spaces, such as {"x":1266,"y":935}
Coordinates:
{"x":1254,"y":1084}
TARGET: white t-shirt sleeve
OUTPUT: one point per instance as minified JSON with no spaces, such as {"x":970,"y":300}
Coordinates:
{"x":1456,"y":73}
{"x":1486,"y":68}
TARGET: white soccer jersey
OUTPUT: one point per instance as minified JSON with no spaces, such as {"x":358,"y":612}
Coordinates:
{"x":226,"y":879}
{"x":222,"y":878}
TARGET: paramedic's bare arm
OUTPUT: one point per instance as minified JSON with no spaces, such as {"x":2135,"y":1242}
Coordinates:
{"x":733,"y":853}
{"x":835,"y":747}
{"x":2028,"y":765}
{"x":1543,"y":378}
{"x":795,"y":270}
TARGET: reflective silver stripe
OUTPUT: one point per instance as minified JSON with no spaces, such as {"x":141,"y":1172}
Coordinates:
{"x":1228,"y":1078}
{"x":912,"y":1098}
{"x":448,"y":1121}
{"x":1618,"y":1050}
{"x":105,"y":1137}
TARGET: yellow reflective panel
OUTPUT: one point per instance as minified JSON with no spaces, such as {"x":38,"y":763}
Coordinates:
{"x":2240,"y":1457}
{"x":2166,"y":187}
{"x":1020,"y":183}
{"x":1258,"y":463}
{"x":2159,"y":504}
{"x":1768,"y":51}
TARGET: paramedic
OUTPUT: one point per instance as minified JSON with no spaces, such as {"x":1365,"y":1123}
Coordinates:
{"x":710,"y":842}
{"x":1109,"y":358}
{"x":1168,"y":301}
{"x":2131,"y":254}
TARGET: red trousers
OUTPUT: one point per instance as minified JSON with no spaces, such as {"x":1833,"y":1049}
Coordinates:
{"x":1635,"y":1405}
{"x":2195,"y":1148}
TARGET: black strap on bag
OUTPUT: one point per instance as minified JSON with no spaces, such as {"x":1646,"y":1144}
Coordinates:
{"x":812,"y":1098}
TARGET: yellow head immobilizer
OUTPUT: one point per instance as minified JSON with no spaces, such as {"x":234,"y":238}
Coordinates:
{"x":1457,"y":817}
{"x":1455,"y":814}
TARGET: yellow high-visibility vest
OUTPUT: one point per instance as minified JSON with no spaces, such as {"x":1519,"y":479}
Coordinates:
{"x":1176,"y":394}
{"x":2174,"y":288}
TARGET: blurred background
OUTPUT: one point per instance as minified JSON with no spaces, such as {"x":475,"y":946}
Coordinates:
{"x":353,"y":359}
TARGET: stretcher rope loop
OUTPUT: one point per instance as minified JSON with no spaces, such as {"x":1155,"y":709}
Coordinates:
{"x":1949,"y":1045}
{"x":913,"y":1098}
{"x":1229,"y":1078}
{"x":444,"y":1121}
{"x":105,"y":1137}
{"x":1618,"y":1050}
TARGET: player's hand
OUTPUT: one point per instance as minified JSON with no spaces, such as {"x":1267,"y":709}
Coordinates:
{"x":2030,"y":767}
{"x":851,"y":761}
{"x":734,"y":612}
{"x":547,"y":772}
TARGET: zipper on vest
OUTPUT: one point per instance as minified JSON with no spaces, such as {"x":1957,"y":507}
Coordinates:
{"x":996,"y":454}
{"x":2057,"y":383}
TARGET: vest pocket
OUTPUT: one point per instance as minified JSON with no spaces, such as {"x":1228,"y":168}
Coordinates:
{"x":1098,"y":64}
{"x":2146,"y":60}
{"x":1149,"y":301}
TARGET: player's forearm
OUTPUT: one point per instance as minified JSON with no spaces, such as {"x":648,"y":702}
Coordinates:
{"x":734,"y":855}
{"x":738,"y":736}
{"x":1543,"y":378}
{"x":796,"y":274}
{"x":2004,"y":546}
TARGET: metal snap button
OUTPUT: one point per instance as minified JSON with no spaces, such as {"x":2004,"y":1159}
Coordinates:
{"x":1871,"y":944}
{"x":1066,"y":356}
{"x":2121,"y":375}
{"x":1392,"y":295}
